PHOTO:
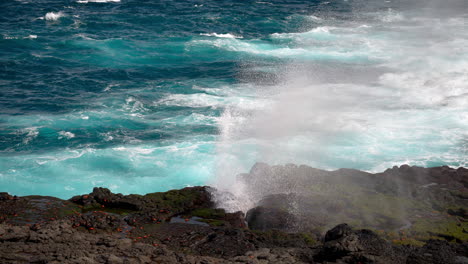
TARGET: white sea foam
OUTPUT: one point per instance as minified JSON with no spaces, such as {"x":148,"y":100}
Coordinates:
{"x":320,"y":43}
{"x":31,"y":134}
{"x":108,"y":136}
{"x":192,"y":119}
{"x":62,"y":156}
{"x":227,"y":35}
{"x":133,"y":105}
{"x":266,"y":49}
{"x":109,"y":87}
{"x":84,"y":36}
{"x":206,"y":100}
{"x":408,"y":105}
{"x":54,"y":16}
{"x":135,"y":150}
{"x":9,"y":37}
{"x":66,"y":134}
{"x":315,"y":18}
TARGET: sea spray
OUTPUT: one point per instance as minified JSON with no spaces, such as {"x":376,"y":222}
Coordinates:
{"x":145,"y":94}
{"x":367,"y":113}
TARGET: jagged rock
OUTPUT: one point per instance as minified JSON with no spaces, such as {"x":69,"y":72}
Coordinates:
{"x":97,"y":220}
{"x":102,"y":227}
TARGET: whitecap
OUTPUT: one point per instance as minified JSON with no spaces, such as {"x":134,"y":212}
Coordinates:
{"x":69,"y":154}
{"x":298,"y":52}
{"x":51,"y":16}
{"x":228,"y":35}
{"x":83,"y":36}
{"x":31,"y":37}
{"x":9,"y":37}
{"x":314,"y":18}
{"x":192,"y":119}
{"x":31,"y":133}
{"x":133,"y":105}
{"x":65,"y":134}
{"x":322,"y":29}
{"x":132,"y":151}
{"x":215,"y":102}
{"x":107,"y":136}
{"x":315,"y":33}
{"x":109,"y":87}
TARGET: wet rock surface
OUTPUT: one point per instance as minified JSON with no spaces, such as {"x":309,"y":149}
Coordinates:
{"x":184,"y":226}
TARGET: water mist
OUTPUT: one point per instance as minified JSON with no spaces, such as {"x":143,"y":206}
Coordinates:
{"x":385,"y":88}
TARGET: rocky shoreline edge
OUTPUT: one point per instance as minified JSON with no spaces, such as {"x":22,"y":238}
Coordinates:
{"x":185,"y":226}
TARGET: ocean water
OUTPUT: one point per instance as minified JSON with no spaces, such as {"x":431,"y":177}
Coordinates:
{"x":150,"y":95}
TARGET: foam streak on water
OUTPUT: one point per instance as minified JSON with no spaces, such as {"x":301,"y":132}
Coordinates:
{"x":143,"y":96}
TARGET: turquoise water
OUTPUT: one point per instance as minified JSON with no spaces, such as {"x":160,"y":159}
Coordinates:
{"x":143,"y":96}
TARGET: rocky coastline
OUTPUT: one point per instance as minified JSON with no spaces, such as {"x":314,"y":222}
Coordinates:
{"x":403,"y":215}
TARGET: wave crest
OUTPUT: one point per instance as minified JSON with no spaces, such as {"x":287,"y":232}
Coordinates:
{"x":227,"y":35}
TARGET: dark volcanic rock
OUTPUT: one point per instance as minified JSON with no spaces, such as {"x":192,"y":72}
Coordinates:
{"x":97,"y":220}
{"x":346,"y":245}
{"x":274,"y":212}
{"x":175,"y":200}
{"x":236,"y":219}
{"x":5,"y":196}
{"x":458,"y":212}
{"x":338,"y":232}
{"x":439,"y":252}
{"x":267,"y":218}
{"x":294,"y":204}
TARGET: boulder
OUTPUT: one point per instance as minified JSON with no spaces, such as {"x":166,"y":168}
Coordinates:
{"x":354,"y":246}
{"x":338,"y":232}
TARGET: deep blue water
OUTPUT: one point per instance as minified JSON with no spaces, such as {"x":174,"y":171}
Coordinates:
{"x":143,"y":96}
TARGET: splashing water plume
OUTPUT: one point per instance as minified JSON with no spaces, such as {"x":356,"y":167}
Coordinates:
{"x":145,"y":96}
{"x":385,"y":88}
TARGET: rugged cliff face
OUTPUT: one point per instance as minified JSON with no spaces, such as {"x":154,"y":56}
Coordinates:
{"x":410,"y":215}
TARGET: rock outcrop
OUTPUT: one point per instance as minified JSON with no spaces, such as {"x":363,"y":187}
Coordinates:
{"x":184,"y":226}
